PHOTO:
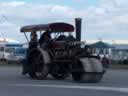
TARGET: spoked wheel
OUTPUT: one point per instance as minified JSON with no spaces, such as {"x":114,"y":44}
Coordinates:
{"x":76,"y":76}
{"x":57,"y":72}
{"x":39,"y":70}
{"x":60,"y":76}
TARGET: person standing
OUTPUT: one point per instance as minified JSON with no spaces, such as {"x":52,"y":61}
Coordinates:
{"x":32,"y":44}
{"x":33,"y":40}
{"x":105,"y":62}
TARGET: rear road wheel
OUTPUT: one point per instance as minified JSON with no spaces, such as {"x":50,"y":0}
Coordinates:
{"x":38,"y":69}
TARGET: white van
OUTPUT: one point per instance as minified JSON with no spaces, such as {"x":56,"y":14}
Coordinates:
{"x":5,"y":51}
{"x":11,"y":52}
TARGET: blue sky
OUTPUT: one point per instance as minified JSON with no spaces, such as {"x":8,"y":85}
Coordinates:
{"x":106,"y":19}
{"x":72,"y":3}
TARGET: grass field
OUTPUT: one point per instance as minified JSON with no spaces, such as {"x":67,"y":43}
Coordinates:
{"x":119,"y":66}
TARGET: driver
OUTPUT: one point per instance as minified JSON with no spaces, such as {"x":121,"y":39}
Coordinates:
{"x":45,"y":38}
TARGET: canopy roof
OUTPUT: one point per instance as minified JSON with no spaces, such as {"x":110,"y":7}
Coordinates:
{"x":53,"y":27}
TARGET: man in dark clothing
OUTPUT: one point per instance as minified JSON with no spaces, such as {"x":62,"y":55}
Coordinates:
{"x":32,"y":44}
{"x":70,"y":38}
{"x":44,"y":39}
{"x":34,"y":41}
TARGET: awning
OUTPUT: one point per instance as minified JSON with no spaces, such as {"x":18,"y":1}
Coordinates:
{"x":101,"y":44}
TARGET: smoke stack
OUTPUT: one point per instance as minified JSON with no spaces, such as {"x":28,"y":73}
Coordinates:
{"x":78,"y":28}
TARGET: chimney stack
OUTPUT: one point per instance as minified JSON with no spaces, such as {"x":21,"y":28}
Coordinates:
{"x":78,"y":28}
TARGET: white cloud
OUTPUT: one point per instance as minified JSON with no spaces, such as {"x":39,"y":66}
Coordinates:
{"x":122,"y":19}
{"x":100,"y":11}
{"x":108,"y":19}
{"x":13,"y":3}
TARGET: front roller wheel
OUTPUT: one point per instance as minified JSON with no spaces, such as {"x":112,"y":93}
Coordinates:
{"x":86,"y":77}
{"x":38,"y":69}
{"x":81,"y":77}
{"x":96,"y":78}
{"x":80,"y":73}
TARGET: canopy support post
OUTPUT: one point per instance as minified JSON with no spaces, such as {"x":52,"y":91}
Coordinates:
{"x":26,"y":37}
